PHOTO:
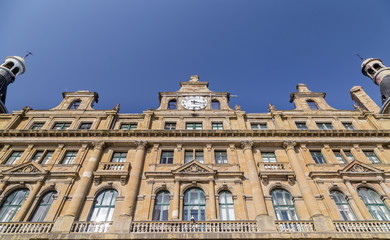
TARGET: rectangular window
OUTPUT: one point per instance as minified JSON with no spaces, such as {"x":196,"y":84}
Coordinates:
{"x":170,"y":126}
{"x":69,"y":157}
{"x":259,"y":126}
{"x":217,"y":126}
{"x":317,"y":157}
{"x":14,"y":157}
{"x":128,"y":126}
{"x":194,"y":126}
{"x":221,"y":157}
{"x":349,"y":156}
{"x":301,"y":125}
{"x":37,"y":156}
{"x":339,"y":156}
{"x":325,"y":126}
{"x":372,"y":157}
{"x":37,"y":126}
{"x":47,"y":157}
{"x":85,"y":126}
{"x":61,"y":126}
{"x":269,"y":157}
{"x":119,"y":157}
{"x":349,"y":126}
{"x":166,"y":157}
{"x":193,"y":155}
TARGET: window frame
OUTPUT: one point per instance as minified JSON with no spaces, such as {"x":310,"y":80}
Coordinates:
{"x":268,"y":156}
{"x":45,"y":159}
{"x":193,"y":154}
{"x":7,"y":208}
{"x":300,"y":124}
{"x":70,"y":159}
{"x":40,"y":124}
{"x":195,"y":126}
{"x":217,"y":125}
{"x":160,"y":207}
{"x":338,"y":154}
{"x":170,"y":126}
{"x":323,"y":126}
{"x":64,"y":125}
{"x":188,"y":206}
{"x":110,"y":206}
{"x":172,"y":106}
{"x":85,"y":123}
{"x":259,"y":126}
{"x":118,"y":159}
{"x":221,"y":157}
{"x":287,"y":197}
{"x":130,"y":126}
{"x":374,"y":207}
{"x":348,"y":126}
{"x":371,"y":156}
{"x":342,"y":204}
{"x":315,"y":155}
{"x":43,"y":205}
{"x":15,"y":158}
{"x":167,"y":159}
{"x":224,"y":206}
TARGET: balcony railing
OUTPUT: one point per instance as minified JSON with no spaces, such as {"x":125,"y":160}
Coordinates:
{"x":273,"y":166}
{"x":199,"y":226}
{"x":362,"y":226}
{"x":295,"y":226}
{"x":91,"y":227}
{"x":113,"y":166}
{"x":25,"y":228}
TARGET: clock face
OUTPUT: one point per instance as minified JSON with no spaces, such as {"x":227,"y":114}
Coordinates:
{"x":194,"y":102}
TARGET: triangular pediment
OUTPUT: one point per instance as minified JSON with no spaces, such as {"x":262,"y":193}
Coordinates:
{"x":359,"y":167}
{"x":194,"y":167}
{"x":30,"y":167}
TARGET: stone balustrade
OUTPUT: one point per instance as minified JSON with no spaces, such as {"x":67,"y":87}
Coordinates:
{"x":91,"y":227}
{"x":362,"y":226}
{"x":273,"y":166}
{"x":113,"y":166}
{"x":198,"y":226}
{"x":25,"y":227}
{"x":295,"y":226}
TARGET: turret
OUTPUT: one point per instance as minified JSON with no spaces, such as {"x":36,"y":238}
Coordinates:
{"x":11,"y":68}
{"x":380,"y":75}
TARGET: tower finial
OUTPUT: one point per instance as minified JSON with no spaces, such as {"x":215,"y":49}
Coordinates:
{"x":357,"y":54}
{"x":28,"y":53}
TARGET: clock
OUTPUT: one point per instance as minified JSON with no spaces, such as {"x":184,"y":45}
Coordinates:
{"x":194,"y":102}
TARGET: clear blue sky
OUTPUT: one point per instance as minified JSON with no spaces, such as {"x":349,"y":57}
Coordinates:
{"x":128,"y":51}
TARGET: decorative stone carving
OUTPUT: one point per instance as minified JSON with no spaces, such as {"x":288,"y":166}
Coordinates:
{"x":194,"y":169}
{"x":98,"y":145}
{"x":141,"y":144}
{"x":359,"y":168}
{"x":246,"y":145}
{"x":28,"y":169}
{"x":237,"y":108}
{"x":289,"y":145}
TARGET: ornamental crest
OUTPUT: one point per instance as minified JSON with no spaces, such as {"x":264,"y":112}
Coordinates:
{"x":359,"y":168}
{"x":27,"y":168}
{"x":194,"y":169}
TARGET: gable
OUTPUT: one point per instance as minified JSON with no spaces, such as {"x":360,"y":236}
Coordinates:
{"x":194,"y":167}
{"x":358,"y":167}
{"x":26,"y":168}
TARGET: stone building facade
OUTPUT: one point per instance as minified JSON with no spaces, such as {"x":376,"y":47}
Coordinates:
{"x":196,"y":168}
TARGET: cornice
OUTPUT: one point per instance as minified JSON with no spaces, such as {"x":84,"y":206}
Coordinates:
{"x":197,"y":133}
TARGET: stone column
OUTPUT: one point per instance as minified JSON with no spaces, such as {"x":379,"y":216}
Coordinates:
{"x":176,"y":200}
{"x":321,"y":222}
{"x":131,"y":190}
{"x":27,"y":204}
{"x":64,"y":224}
{"x":211,"y":207}
{"x":3,"y":185}
{"x":385,"y":188}
{"x":264,"y":221}
{"x":359,"y":202}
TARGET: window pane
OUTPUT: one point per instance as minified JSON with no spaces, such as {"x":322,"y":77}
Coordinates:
{"x":317,"y":157}
{"x":37,"y":155}
{"x":12,"y":204}
{"x":14,"y":157}
{"x":85,"y":126}
{"x":349,"y":156}
{"x":283,"y":205}
{"x":199,"y":156}
{"x":170,"y":126}
{"x":194,"y":126}
{"x":47,"y":157}
{"x":339,"y":157}
{"x":217,"y":126}
{"x":188,"y":156}
{"x":166,"y":157}
{"x":372,"y":157}
{"x":104,"y":206}
{"x":194,"y":205}
{"x":43,"y":207}
{"x":61,"y":126}
{"x":301,"y":125}
{"x":269,"y":157}
{"x":128,"y":126}
{"x":119,"y":157}
{"x":36,"y":126}
{"x":221,"y":157}
{"x":69,"y":157}
{"x":349,"y":126}
{"x":259,"y":126}
{"x":325,"y":126}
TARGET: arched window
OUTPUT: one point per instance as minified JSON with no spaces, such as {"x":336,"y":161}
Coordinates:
{"x":226,"y":206}
{"x":376,"y":66}
{"x":343,"y":206}
{"x":12,"y":204}
{"x":15,"y":70}
{"x":312,"y":105}
{"x":9,"y":65}
{"x":374,"y":204}
{"x":161,"y":206}
{"x":172,"y":104}
{"x":283,"y":205}
{"x":75,"y":104}
{"x":215,"y":104}
{"x":43,"y":207}
{"x":103,"y":207}
{"x":194,"y":205}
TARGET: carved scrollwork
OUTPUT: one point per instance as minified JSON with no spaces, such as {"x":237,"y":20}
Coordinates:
{"x":98,"y":145}
{"x":289,"y":145}
{"x":194,"y":169}
{"x":28,"y":169}
{"x":141,"y":144}
{"x":246,"y":145}
{"x":359,"y":168}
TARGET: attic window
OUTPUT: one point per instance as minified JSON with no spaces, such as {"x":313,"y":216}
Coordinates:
{"x":312,"y":105}
{"x":75,"y":104}
{"x":215,"y":104}
{"x":9,"y":65}
{"x":172,"y":104}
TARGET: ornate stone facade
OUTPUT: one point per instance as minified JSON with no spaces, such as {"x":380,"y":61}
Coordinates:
{"x":196,"y":168}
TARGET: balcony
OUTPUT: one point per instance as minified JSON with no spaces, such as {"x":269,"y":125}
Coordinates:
{"x":112,"y":171}
{"x":276,"y":171}
{"x":295,"y":226}
{"x":25,"y":227}
{"x":362,"y":226}
{"x":194,"y":227}
{"x":91,"y":227}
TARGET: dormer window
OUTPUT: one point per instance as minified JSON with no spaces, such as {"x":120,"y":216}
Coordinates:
{"x":75,"y":104}
{"x":172,"y":104}
{"x":312,"y":105}
{"x":215,"y":104}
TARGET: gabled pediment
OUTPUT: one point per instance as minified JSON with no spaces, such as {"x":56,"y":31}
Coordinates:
{"x":193,"y":167}
{"x":359,"y":167}
{"x":30,"y":167}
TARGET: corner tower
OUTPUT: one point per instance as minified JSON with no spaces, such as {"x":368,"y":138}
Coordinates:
{"x":11,"y":68}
